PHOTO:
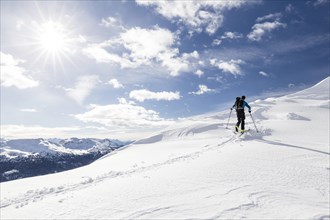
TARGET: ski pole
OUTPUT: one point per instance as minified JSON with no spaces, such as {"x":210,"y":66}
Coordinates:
{"x":229,"y":118}
{"x":254,"y":123}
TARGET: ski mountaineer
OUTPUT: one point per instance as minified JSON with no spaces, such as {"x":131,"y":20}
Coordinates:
{"x":239,"y":105}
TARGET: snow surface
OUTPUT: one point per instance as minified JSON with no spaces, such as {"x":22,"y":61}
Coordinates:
{"x":198,"y":169}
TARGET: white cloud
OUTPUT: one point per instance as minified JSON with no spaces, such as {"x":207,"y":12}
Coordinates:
{"x":11,"y":131}
{"x":79,"y":39}
{"x":219,"y":79}
{"x":20,"y":24}
{"x":216,"y":42}
{"x":111,"y":22}
{"x":192,"y":55}
{"x":231,"y":35}
{"x":102,"y":56}
{"x":175,"y":65}
{"x":28,"y":110}
{"x":261,"y":29}
{"x":289,"y":8}
{"x":124,"y":101}
{"x":299,"y":43}
{"x":196,"y":15}
{"x":82,"y":88}
{"x":123,"y":115}
{"x":14,"y":75}
{"x":202,"y":90}
{"x":115,"y":83}
{"x":264,"y":74}
{"x":199,"y":73}
{"x":232,"y":66}
{"x":143,"y":94}
{"x":272,"y":17}
{"x":146,"y":44}
{"x":214,"y":21}
{"x":320,"y":2}
{"x":227,"y":35}
{"x":139,"y":47}
{"x":36,"y":131}
{"x":108,"y":22}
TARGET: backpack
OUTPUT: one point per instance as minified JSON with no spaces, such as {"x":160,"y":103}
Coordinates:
{"x":239,"y":103}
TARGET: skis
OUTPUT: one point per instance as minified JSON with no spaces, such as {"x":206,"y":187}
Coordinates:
{"x":240,"y":132}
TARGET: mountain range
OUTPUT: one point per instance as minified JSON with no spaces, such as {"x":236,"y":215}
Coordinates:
{"x":31,"y":157}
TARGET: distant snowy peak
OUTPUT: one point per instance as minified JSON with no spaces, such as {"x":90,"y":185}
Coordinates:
{"x":81,"y":144}
{"x":21,"y":147}
{"x":90,"y":144}
{"x":28,"y":146}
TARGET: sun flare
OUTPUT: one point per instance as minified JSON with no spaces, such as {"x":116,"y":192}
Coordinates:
{"x":53,"y":37}
{"x":54,"y":42}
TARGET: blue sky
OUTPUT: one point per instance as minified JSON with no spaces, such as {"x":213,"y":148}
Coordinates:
{"x":125,"y":69}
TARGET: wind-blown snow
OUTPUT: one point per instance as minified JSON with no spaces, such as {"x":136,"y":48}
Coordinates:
{"x":199,"y":169}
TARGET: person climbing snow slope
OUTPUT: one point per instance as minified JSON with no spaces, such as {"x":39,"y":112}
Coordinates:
{"x":239,"y":105}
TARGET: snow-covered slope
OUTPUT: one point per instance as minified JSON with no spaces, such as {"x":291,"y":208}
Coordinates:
{"x":199,"y":169}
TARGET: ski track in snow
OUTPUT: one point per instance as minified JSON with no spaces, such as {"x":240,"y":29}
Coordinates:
{"x":40,"y":194}
{"x":253,"y":200}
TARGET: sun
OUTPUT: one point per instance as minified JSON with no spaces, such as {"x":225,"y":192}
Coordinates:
{"x":53,"y":37}
{"x":54,"y":43}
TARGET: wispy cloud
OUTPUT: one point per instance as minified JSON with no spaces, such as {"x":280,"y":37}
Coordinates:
{"x":82,"y":88}
{"x":266,"y":24}
{"x":262,"y":73}
{"x":321,"y":2}
{"x":14,"y":75}
{"x":112,"y":22}
{"x":272,"y":17}
{"x":259,"y":30}
{"x":20,"y":24}
{"x":299,"y":43}
{"x":28,"y":110}
{"x":227,"y":35}
{"x":98,"y":53}
{"x":216,"y":42}
{"x":291,"y":85}
{"x":198,"y":16}
{"x":36,"y":131}
{"x":143,"y":94}
{"x":123,"y":115}
{"x":251,"y":54}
